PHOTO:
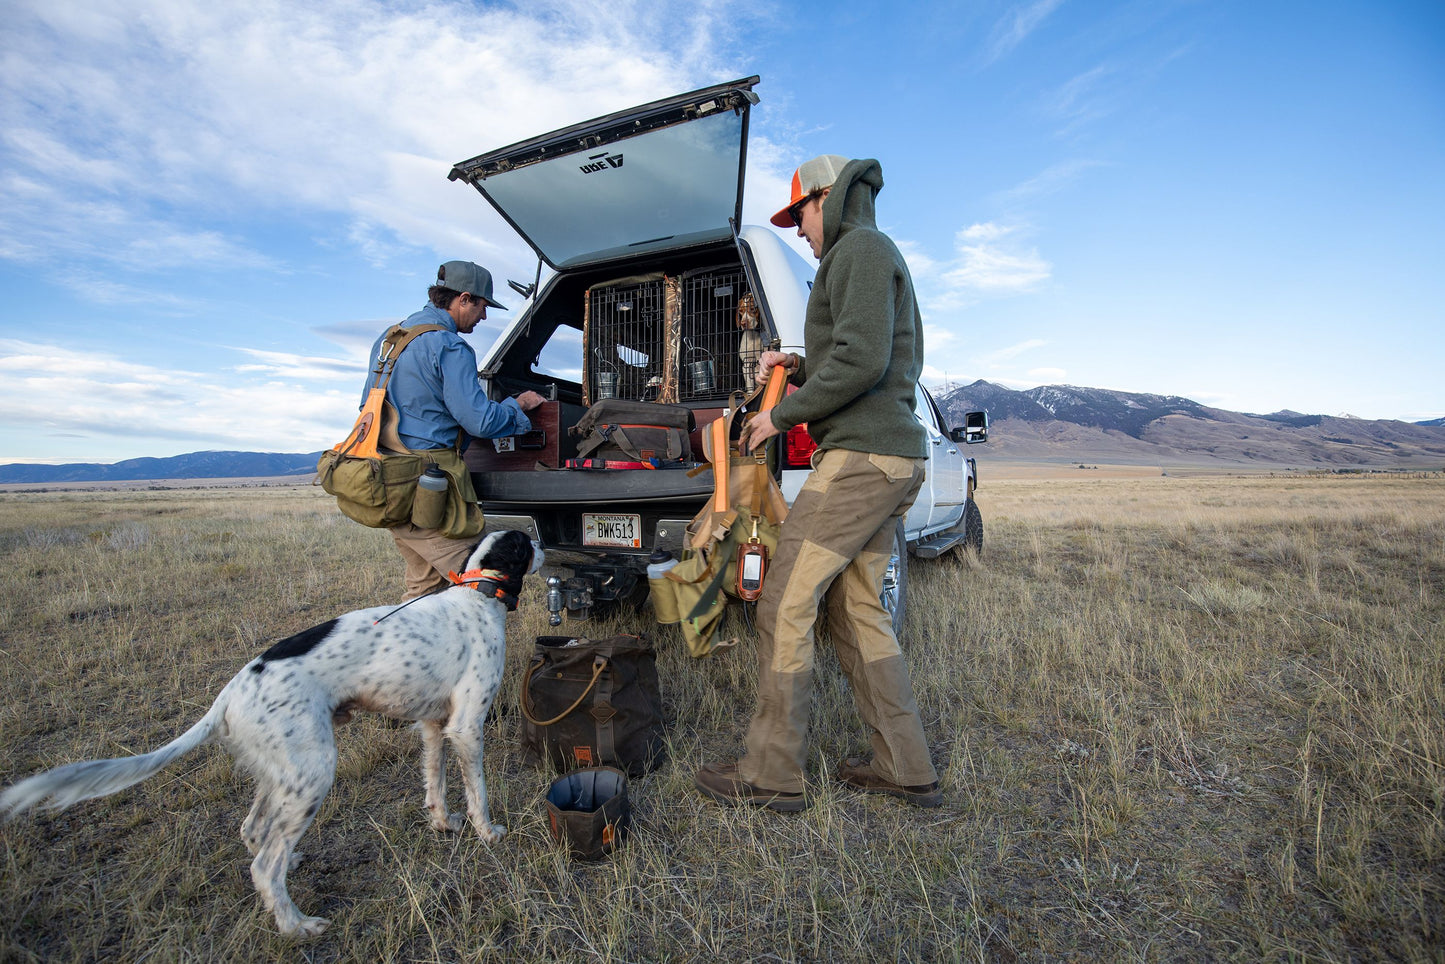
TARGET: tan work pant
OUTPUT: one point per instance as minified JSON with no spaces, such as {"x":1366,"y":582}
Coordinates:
{"x":429,"y":555}
{"x":836,"y":542}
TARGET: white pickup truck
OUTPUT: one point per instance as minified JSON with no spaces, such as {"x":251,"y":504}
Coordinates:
{"x":656,"y":294}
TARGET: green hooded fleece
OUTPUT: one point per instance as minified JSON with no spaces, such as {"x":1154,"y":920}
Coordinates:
{"x":862,"y":332}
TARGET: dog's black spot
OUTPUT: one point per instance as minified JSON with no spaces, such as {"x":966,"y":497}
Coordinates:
{"x":300,"y":644}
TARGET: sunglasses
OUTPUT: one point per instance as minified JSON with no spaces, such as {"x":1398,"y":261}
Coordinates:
{"x":796,"y":211}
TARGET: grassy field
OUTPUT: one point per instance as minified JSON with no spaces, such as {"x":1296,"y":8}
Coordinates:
{"x":1176,"y":719}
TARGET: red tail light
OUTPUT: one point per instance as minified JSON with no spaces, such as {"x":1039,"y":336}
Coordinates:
{"x":798,"y":447}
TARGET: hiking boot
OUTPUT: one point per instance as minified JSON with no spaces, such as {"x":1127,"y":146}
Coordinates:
{"x":858,"y":775}
{"x":721,"y":782}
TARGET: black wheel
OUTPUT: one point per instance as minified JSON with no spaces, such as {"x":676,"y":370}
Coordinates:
{"x":972,"y":523}
{"x":895,"y":579}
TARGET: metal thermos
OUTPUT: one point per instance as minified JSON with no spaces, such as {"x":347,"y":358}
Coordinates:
{"x":429,"y":507}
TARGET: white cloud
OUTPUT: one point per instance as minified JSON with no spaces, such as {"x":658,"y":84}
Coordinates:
{"x":1082,"y":99}
{"x":988,"y":260}
{"x":129,"y":121}
{"x":304,"y":367}
{"x":285,"y":403}
{"x":1021,"y":21}
{"x":1010,"y":352}
{"x":1052,"y":179}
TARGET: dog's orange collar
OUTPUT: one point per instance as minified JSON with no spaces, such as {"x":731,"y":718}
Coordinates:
{"x":492,"y":582}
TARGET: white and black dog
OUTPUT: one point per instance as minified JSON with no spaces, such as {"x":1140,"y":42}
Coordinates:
{"x":439,"y":661}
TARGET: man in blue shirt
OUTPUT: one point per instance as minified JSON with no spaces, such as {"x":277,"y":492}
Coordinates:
{"x":435,"y":391}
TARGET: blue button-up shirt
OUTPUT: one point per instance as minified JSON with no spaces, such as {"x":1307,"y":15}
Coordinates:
{"x":436,"y":391}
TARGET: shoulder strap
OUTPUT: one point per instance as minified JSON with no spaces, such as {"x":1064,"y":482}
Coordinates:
{"x":393,"y":343}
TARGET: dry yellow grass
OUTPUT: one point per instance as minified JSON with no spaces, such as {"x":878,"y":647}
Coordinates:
{"x":1176,"y":719}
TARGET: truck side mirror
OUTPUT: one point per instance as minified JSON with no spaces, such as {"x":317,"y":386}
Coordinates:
{"x":973,"y":430}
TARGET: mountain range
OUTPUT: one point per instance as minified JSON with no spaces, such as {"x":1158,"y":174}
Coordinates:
{"x":1067,"y":423}
{"x":1055,"y":423}
{"x":196,"y":465}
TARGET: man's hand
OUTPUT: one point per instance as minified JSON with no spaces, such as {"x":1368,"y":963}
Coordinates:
{"x":529,"y":400}
{"x":756,"y":431}
{"x":769,"y":360}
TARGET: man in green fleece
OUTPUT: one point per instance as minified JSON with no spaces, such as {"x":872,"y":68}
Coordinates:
{"x":855,"y":390}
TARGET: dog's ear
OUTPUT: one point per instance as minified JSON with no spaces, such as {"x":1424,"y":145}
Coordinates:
{"x":509,"y":551}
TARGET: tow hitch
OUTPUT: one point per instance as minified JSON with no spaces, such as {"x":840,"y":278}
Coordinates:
{"x":574,"y":596}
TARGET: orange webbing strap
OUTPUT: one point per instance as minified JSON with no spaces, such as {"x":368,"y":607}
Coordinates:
{"x":772,"y":394}
{"x":777,"y":384}
{"x":720,"y":452}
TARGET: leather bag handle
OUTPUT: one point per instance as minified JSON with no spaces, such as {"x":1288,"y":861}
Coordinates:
{"x":599,"y":663}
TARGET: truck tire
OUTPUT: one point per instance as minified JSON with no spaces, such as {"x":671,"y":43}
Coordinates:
{"x":895,"y":580}
{"x":972,"y":523}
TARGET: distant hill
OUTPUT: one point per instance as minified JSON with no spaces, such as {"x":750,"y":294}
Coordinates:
{"x":1064,"y":422}
{"x":196,"y":465}
{"x":1051,"y":422}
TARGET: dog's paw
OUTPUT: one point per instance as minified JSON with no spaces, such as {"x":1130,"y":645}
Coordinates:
{"x":491,"y":833}
{"x":311,"y":927}
{"x":443,"y":822}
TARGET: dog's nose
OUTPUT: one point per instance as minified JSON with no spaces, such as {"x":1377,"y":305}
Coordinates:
{"x":537,"y":556}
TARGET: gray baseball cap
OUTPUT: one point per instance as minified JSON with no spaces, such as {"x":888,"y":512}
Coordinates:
{"x":468,"y":278}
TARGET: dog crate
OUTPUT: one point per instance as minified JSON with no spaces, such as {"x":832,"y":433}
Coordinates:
{"x":674,"y":339}
{"x":624,"y":328}
{"x":720,"y":337}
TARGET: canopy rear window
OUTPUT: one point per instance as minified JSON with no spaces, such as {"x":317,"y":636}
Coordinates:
{"x":660,"y":177}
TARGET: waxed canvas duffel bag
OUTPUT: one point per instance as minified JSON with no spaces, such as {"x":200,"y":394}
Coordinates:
{"x":619,"y":429}
{"x":588,"y":703}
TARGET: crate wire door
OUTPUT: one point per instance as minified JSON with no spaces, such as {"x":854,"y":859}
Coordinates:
{"x":669,"y":339}
{"x":710,"y":333}
{"x":624,"y":329}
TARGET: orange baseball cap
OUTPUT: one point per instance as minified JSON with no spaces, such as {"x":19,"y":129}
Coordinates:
{"x":810,"y":178}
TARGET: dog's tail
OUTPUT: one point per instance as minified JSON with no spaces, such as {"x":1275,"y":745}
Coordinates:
{"x":68,"y":785}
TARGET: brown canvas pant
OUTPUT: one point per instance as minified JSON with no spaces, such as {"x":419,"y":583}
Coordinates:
{"x":429,"y":555}
{"x":836,"y":542}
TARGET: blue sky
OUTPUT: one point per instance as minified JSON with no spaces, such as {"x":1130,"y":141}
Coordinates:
{"x":208,"y":211}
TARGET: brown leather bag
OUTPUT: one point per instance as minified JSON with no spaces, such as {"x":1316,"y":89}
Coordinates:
{"x":588,"y":703}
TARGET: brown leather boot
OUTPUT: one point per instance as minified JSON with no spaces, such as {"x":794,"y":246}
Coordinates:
{"x":721,"y":782}
{"x":858,"y":775}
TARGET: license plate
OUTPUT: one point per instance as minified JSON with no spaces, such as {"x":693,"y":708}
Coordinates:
{"x":619,"y":531}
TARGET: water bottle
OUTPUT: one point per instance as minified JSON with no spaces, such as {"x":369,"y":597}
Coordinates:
{"x":664,"y":594}
{"x":429,"y":507}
